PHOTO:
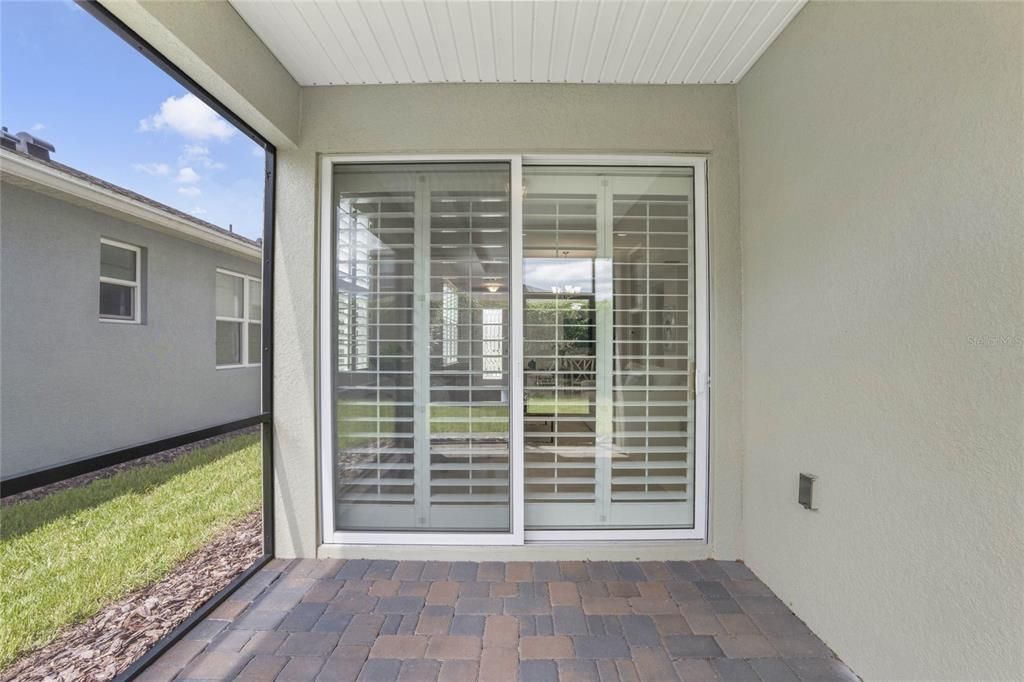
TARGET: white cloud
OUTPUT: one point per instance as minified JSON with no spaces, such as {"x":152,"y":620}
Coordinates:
{"x":36,"y":127}
{"x":199,"y":154}
{"x":152,"y":168}
{"x":258,"y":152}
{"x":186,"y":176}
{"x":188,"y":116}
{"x":195,"y":151}
{"x":190,"y":191}
{"x":198,"y":210}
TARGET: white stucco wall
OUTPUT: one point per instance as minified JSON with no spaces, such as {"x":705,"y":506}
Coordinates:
{"x":881,"y":150}
{"x":520,"y":117}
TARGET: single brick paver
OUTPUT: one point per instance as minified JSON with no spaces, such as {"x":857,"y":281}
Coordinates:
{"x":467,"y":625}
{"x":384,"y":588}
{"x":563,"y":594}
{"x":538,"y":671}
{"x":625,"y":670}
{"x":738,"y":624}
{"x":773,"y":670}
{"x":477,"y":606}
{"x":607,"y":606}
{"x":570,"y":621}
{"x":746,"y":646}
{"x":458,"y":647}
{"x":498,"y":663}
{"x":302,"y":617}
{"x":263,"y":668}
{"x":434,"y":620}
{"x":419,"y":670}
{"x":399,"y":646}
{"x":308,"y":644}
{"x":734,"y":670}
{"x":501,"y":631}
{"x":408,"y":570}
{"x":457,"y":671}
{"x":640,"y":631}
{"x":578,"y":671}
{"x":653,"y":664}
{"x":380,"y":670}
{"x":518,"y":571}
{"x":547,"y":648}
{"x":442,"y":593}
{"x":692,"y":646}
{"x":301,"y":669}
{"x":601,"y":647}
{"x":695,"y":670}
{"x":474,"y":589}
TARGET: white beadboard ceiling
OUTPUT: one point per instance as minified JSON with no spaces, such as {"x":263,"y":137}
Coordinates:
{"x":336,"y":42}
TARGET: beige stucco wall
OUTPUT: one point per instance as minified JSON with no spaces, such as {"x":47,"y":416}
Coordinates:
{"x":881,"y":151}
{"x":540,"y":118}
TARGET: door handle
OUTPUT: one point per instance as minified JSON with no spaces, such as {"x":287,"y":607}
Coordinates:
{"x":691,"y":376}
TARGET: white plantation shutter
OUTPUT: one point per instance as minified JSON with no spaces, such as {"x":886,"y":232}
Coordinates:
{"x":652,"y":333}
{"x":607,"y":348}
{"x":469,"y":439}
{"x":560,"y":241}
{"x":375,"y":242}
{"x":422,"y":397}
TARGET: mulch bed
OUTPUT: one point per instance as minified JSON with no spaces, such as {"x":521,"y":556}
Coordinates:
{"x":156,"y":458}
{"x":110,"y":641}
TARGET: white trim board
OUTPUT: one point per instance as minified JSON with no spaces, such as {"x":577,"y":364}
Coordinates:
{"x":466,"y":541}
{"x":33,"y":175}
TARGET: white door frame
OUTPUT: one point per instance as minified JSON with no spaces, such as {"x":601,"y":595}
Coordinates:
{"x":517,"y":535}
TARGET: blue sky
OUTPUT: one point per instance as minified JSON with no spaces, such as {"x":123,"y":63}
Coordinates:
{"x":110,"y":112}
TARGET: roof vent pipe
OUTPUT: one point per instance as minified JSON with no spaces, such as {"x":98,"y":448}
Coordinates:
{"x":35,"y":147}
{"x":8,"y":141}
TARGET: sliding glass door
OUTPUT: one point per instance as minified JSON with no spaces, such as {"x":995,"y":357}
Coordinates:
{"x":608,"y":351}
{"x":513,"y":350}
{"x":421,"y":374}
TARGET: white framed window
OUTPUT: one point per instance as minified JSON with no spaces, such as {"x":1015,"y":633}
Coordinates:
{"x":120,"y":282}
{"x":239,"y":308}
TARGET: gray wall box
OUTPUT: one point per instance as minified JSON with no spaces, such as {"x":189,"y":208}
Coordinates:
{"x":72,"y":386}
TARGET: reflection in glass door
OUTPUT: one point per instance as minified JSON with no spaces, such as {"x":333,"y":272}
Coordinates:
{"x":421,"y":365}
{"x":608,"y":353}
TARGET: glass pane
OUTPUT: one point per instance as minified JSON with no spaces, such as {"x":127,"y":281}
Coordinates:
{"x":117,"y":263}
{"x":608,"y":331}
{"x":255,"y":300}
{"x":229,"y":343}
{"x":255,"y":344}
{"x":421,"y":294}
{"x":117,"y":301}
{"x":230,"y":295}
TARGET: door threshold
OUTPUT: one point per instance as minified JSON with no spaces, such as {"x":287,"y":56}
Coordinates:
{"x":648,"y":550}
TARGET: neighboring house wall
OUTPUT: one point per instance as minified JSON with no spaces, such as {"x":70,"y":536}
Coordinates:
{"x":514,"y":118}
{"x":73,"y":386}
{"x":881,"y":151}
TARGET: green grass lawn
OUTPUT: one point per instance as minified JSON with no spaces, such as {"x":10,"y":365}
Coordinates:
{"x":66,"y":556}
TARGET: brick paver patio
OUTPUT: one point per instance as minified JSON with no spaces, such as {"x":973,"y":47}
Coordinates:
{"x":412,"y":620}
